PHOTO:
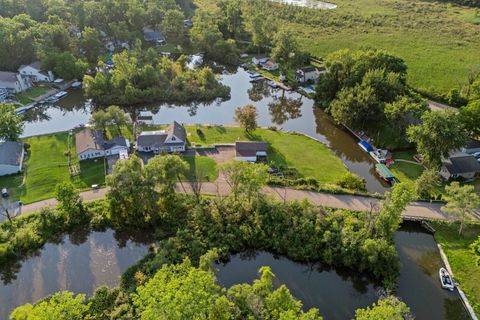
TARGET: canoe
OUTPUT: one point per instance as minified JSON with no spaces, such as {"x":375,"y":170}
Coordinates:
{"x":445,"y":279}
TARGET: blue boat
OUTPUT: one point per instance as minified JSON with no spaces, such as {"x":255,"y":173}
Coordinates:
{"x":365,"y":146}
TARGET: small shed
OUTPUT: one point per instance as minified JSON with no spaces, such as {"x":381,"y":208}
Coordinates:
{"x":251,"y":151}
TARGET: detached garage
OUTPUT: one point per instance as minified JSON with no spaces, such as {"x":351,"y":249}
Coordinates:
{"x":11,"y":157}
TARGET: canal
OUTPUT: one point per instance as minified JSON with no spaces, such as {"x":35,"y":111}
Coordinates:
{"x":84,"y":261}
{"x":289,"y":111}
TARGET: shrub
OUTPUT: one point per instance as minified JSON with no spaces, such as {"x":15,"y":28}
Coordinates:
{"x":352,"y":181}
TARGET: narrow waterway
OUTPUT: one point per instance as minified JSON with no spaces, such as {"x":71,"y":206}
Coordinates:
{"x":297,"y":114}
{"x":337,"y":293}
{"x":80,"y":263}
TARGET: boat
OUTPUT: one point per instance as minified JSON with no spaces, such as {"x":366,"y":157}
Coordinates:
{"x":377,"y":156}
{"x":365,"y":146}
{"x":384,"y":173}
{"x":273,"y":84}
{"x":255,"y":76}
{"x":51,"y":99}
{"x":76,"y":84}
{"x":445,"y":279}
{"x":60,"y":95}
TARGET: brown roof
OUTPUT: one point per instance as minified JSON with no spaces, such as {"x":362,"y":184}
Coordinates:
{"x":250,"y":148}
{"x":88,"y":139}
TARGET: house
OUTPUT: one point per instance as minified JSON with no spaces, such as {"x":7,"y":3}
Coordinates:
{"x":472,"y":147}
{"x":173,"y":139}
{"x":259,"y":60}
{"x":270,"y":65}
{"x":153,"y":36}
{"x":34,"y":72}
{"x":91,"y":144}
{"x":460,"y":165}
{"x":3,"y":94}
{"x":251,"y":151}
{"x":11,"y":157}
{"x":308,"y":74}
{"x":145,"y":118}
{"x":13,"y":82}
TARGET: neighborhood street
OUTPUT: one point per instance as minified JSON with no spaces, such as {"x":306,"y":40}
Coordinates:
{"x":416,"y":210}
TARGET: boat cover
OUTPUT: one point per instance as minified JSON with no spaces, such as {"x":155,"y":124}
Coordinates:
{"x":384,"y":172}
{"x":365,"y":145}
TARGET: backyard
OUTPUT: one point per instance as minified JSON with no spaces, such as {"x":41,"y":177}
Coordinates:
{"x":32,"y":93}
{"x":309,"y":157}
{"x":204,"y":167}
{"x":405,"y":168}
{"x":464,"y":265}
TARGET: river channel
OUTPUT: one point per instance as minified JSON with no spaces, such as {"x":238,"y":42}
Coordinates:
{"x":305,"y":117}
{"x":84,"y":261}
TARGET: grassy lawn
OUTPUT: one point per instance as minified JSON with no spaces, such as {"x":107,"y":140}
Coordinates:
{"x":204,"y":166}
{"x":32,"y":93}
{"x":309,"y":157}
{"x":461,"y":259}
{"x":439,"y":41}
{"x":406,"y":172}
{"x":47,"y":166}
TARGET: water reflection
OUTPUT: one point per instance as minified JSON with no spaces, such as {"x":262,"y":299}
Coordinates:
{"x":284,"y":108}
{"x":80,"y":262}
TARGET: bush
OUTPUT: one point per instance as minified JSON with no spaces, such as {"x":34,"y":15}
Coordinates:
{"x":352,"y":181}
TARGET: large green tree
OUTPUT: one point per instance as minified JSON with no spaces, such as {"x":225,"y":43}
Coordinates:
{"x":390,"y":308}
{"x":165,"y":171}
{"x":11,"y":125}
{"x":173,"y":23}
{"x":246,"y":116}
{"x":439,"y":133}
{"x":286,"y":50}
{"x":70,"y":204}
{"x":92,"y":44}
{"x":470,"y":117}
{"x":462,"y":202}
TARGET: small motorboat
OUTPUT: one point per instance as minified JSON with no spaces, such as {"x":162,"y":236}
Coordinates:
{"x":377,"y":156}
{"x":60,"y":95}
{"x":445,"y":279}
{"x":76,"y":84}
{"x":273,"y":84}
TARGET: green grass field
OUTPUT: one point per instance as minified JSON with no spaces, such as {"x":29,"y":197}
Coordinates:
{"x":47,"y":166}
{"x":465,"y":269}
{"x":205,"y":167}
{"x":311,"y":158}
{"x":32,"y":93}
{"x":438,"y":41}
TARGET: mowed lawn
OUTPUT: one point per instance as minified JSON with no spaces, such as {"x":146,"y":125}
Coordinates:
{"x":47,"y":166}
{"x":464,"y":265}
{"x":201,"y":168}
{"x":309,"y":157}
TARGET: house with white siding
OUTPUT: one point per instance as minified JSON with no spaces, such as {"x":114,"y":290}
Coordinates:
{"x":173,"y":139}
{"x":35,"y":73}
{"x":13,"y":82}
{"x":91,"y":144}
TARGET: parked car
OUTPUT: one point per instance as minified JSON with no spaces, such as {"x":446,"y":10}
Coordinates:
{"x":95,"y":186}
{"x":4,"y":193}
{"x":476,"y":155}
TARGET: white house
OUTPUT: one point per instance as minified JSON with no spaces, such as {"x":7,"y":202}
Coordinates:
{"x":13,"y":82}
{"x":308,"y":74}
{"x":259,"y":60}
{"x":460,"y":165}
{"x":90,"y":144}
{"x":270,"y":65}
{"x":11,"y":157}
{"x":173,"y":139}
{"x":34,"y":72}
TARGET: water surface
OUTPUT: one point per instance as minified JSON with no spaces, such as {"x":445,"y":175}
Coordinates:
{"x":80,"y":263}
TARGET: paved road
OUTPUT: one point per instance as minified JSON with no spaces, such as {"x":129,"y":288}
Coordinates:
{"x":418,"y":210}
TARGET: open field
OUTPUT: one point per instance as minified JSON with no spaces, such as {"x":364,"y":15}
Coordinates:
{"x":439,"y":41}
{"x":309,"y":157}
{"x":463,"y":262}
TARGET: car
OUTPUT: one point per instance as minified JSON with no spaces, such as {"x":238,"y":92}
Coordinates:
{"x":476,"y":155}
{"x":94,"y":186}
{"x":4,"y":193}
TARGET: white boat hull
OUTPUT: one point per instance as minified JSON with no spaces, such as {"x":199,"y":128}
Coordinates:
{"x":445,"y":279}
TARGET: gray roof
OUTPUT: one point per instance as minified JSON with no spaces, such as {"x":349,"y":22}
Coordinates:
{"x":250,"y":148}
{"x":11,"y":153}
{"x":462,"y":164}
{"x":473,"y":144}
{"x":89,"y":139}
{"x":153,"y":35}
{"x":158,"y":138}
{"x":117,"y":141}
{"x":6,"y":76}
{"x":36,"y":65}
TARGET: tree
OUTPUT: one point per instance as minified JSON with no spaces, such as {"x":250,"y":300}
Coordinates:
{"x":70,"y":203}
{"x":286,"y":50}
{"x":132,"y":197}
{"x":99,"y":121}
{"x":165,"y":171}
{"x":65,"y":65}
{"x":233,"y":17}
{"x":390,"y":216}
{"x":439,"y":133}
{"x":258,"y":22}
{"x":61,"y":305}
{"x":475,"y":246}
{"x":247,"y":117}
{"x":462,"y":201}
{"x":244,"y":178}
{"x":92,"y":44}
{"x":118,"y":117}
{"x":390,"y":308}
{"x":427,"y":184}
{"x":11,"y":125}
{"x":404,"y":111}
{"x":173,"y":22}
{"x":470,"y":117}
